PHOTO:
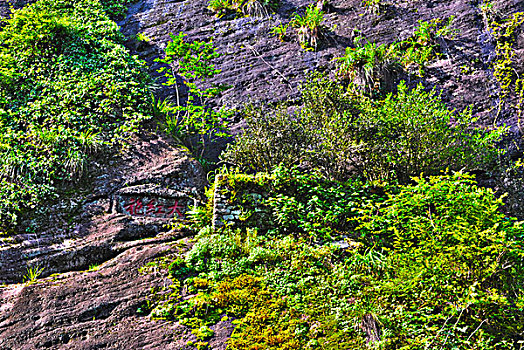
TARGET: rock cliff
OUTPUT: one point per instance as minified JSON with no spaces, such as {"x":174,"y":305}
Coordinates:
{"x":96,"y":241}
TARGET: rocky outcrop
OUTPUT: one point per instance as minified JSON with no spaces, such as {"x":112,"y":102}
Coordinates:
{"x":259,"y":67}
{"x":94,"y":226}
{"x":97,"y":308}
{"x":92,"y":309}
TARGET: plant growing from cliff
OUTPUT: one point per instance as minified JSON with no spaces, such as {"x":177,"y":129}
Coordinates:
{"x":413,"y":132}
{"x":116,"y":9}
{"x":374,"y":67}
{"x":315,"y":136}
{"x":33,"y":272}
{"x":426,"y":41}
{"x":280,"y":31}
{"x":370,"y":66}
{"x":504,"y":67}
{"x":373,"y":6}
{"x":193,"y":62}
{"x":308,"y":26}
{"x":258,"y":8}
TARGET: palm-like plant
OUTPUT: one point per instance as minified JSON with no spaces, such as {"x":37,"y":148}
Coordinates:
{"x":308,"y":26}
{"x":368,"y":65}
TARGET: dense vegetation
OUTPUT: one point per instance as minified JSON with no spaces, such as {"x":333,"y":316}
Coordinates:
{"x":364,"y":231}
{"x":68,"y":89}
{"x":371,"y":232}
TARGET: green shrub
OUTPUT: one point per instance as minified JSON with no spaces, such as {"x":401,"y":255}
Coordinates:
{"x":116,"y":9}
{"x":370,"y":67}
{"x":313,"y":137}
{"x":374,"y":68}
{"x":414,"y":132}
{"x":193,"y":61}
{"x":341,"y":134}
{"x":68,"y":88}
{"x":454,"y":264}
{"x":258,"y":8}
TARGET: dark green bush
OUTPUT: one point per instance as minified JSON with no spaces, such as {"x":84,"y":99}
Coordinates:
{"x":68,"y":88}
{"x":116,"y":9}
{"x":313,"y":137}
{"x":342,"y":134}
{"x":414,"y":132}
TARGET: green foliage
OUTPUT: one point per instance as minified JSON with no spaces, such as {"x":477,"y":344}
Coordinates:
{"x":280,"y":31}
{"x":373,"y":68}
{"x":315,"y":136}
{"x":193,"y":61}
{"x":413,"y":132}
{"x":116,"y":9}
{"x":505,"y":65}
{"x":437,"y":266}
{"x":342,"y":134}
{"x":308,"y":205}
{"x":239,"y":8}
{"x":32,"y":274}
{"x":305,"y":205}
{"x":370,"y":66}
{"x":308,"y":26}
{"x":68,"y":88}
{"x":447,"y":241}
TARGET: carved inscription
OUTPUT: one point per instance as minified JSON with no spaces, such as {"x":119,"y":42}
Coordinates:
{"x":153,"y":207}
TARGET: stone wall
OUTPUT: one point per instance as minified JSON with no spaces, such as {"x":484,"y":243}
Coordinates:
{"x":238,"y":201}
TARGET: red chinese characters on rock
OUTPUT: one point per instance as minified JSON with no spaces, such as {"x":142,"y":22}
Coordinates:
{"x":152,"y":207}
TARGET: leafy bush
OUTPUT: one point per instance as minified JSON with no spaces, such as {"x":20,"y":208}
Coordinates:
{"x":341,"y":134}
{"x":68,"y":88}
{"x":454,"y":264}
{"x":305,"y":205}
{"x":370,"y":66}
{"x":258,"y":8}
{"x":116,"y":9}
{"x":373,"y":68}
{"x":313,"y":137}
{"x":413,"y":132}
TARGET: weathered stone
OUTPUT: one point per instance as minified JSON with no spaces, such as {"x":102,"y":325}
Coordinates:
{"x":151,"y":167}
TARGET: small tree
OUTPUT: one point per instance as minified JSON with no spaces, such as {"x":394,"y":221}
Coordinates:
{"x":193,"y":62}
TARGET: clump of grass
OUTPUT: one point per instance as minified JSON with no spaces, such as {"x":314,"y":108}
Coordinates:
{"x":308,"y":26}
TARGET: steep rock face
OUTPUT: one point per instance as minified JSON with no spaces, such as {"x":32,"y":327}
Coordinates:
{"x":132,"y":197}
{"x":97,"y":309}
{"x":111,"y":237}
{"x":259,"y":67}
{"x":91,"y":309}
